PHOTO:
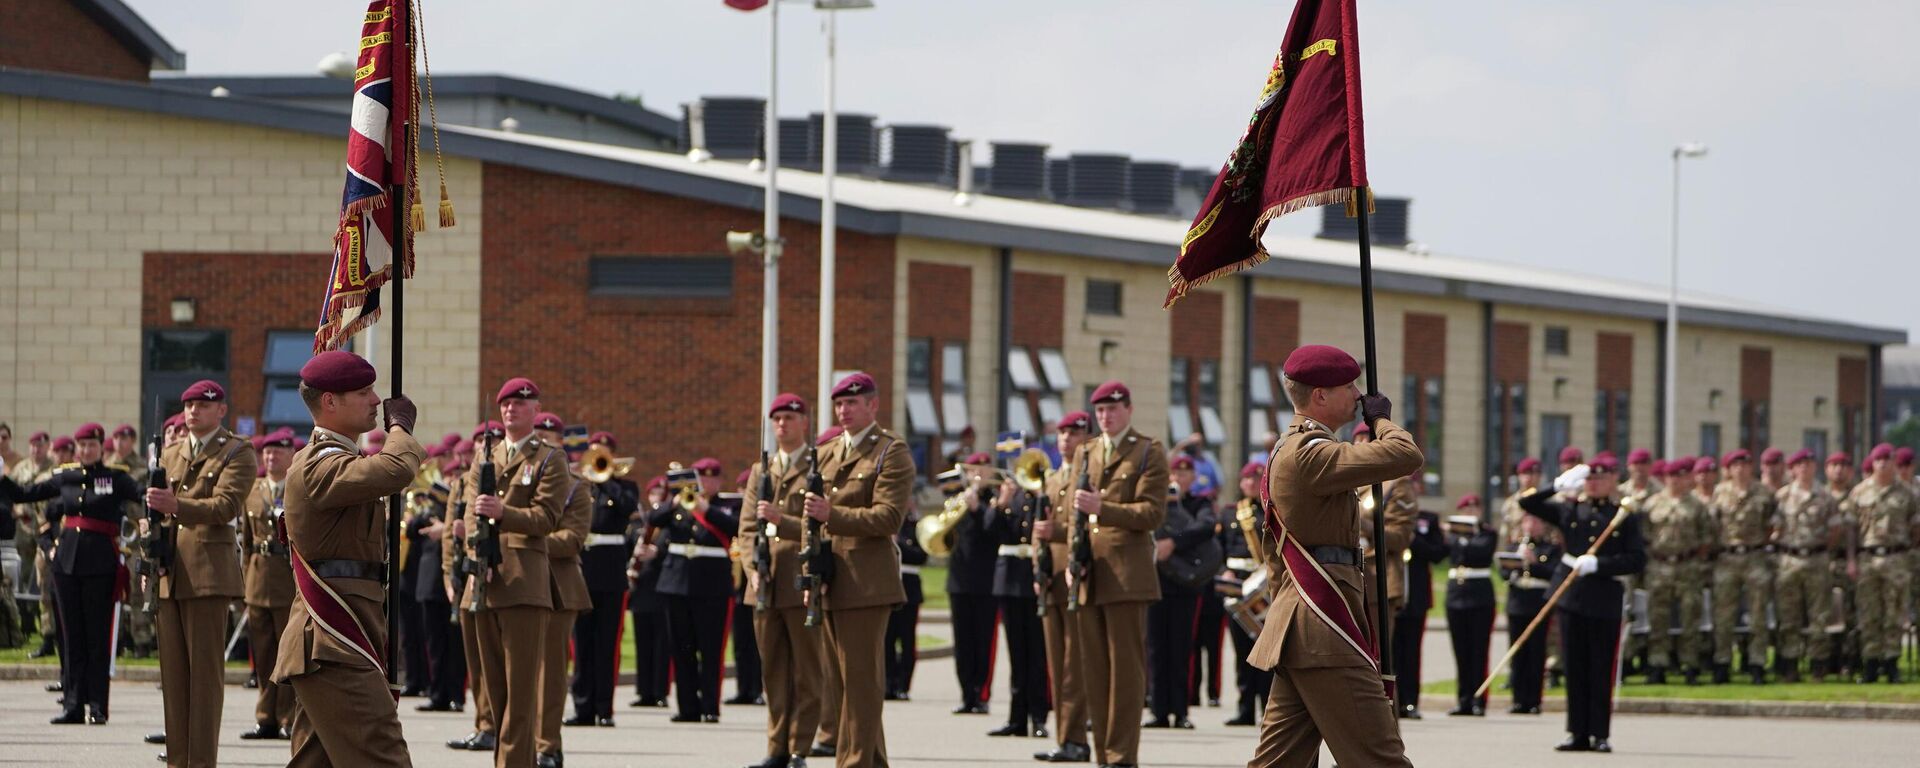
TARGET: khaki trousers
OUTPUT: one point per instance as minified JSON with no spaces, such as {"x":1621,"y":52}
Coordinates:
{"x":264,"y":627}
{"x":791,"y":666}
{"x":483,"y":721}
{"x":1069,"y":700}
{"x":192,"y":634}
{"x":553,"y":679}
{"x":832,"y":686}
{"x":345,"y":716}
{"x":1346,"y":706}
{"x":510,"y":659}
{"x":1111,"y":642}
{"x":857,"y":636}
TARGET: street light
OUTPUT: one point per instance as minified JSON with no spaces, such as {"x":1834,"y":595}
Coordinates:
{"x":829,"y":165}
{"x":1689,"y":149}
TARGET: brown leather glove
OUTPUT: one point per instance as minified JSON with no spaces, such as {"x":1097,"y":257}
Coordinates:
{"x":400,"y":413}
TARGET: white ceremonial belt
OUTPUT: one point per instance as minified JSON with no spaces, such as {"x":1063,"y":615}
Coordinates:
{"x":1023,"y":551}
{"x":1529,"y":582}
{"x":909,"y":569}
{"x":1242,"y":564}
{"x":1469,"y":573}
{"x":698,"y":550}
{"x":606,"y":540}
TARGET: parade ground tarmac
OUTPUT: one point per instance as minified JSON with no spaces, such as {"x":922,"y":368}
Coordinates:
{"x":923,"y":733}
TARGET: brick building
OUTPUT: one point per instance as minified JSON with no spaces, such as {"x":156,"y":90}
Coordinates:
{"x":154,"y":235}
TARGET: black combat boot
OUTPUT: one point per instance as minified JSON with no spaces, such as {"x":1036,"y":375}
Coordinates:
{"x":1720,"y":674}
{"x":1656,"y":675}
{"x":1871,"y":671}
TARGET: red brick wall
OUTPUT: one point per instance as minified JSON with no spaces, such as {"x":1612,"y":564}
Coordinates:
{"x":245,"y":294}
{"x":1196,"y":325}
{"x":1039,"y":310}
{"x":1276,"y":329}
{"x":674,"y":379}
{"x":1512,"y":352}
{"x":56,"y":36}
{"x":1613,"y":361}
{"x":1756,"y":373}
{"x":939,"y":301}
{"x":1852,"y":385}
{"x":1425,"y":353}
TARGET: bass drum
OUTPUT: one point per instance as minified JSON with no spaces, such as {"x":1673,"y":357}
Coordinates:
{"x":1249,"y":610}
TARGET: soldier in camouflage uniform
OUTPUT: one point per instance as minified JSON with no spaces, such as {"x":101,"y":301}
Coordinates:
{"x":1748,"y":521}
{"x":1885,"y":510}
{"x":1844,"y":566}
{"x":1680,"y":533}
{"x":1643,"y":480}
{"x":1810,"y":529}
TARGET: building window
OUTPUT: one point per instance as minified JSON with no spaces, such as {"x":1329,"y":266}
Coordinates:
{"x":186,"y":351}
{"x":1556,"y":340}
{"x":1612,"y":421}
{"x":1853,"y":429}
{"x":1020,"y":370}
{"x":953,"y":387}
{"x":1509,"y":429}
{"x":1710,"y":441}
{"x":700,"y":277}
{"x":1103,"y":297}
{"x":1756,"y":425}
{"x":1556,"y":433}
{"x":1211,"y":425}
{"x":1035,"y":404}
{"x":923,"y":420}
{"x":1179,"y":405}
{"x":1815,"y":440}
{"x":1423,"y":415}
{"x":281,"y":406}
{"x":1259,"y":407}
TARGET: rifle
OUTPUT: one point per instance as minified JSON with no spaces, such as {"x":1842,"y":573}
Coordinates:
{"x":484,"y":542}
{"x":1042,"y":554}
{"x":157,"y":544}
{"x":457,"y":556}
{"x":1080,"y":559}
{"x":763,"y":546}
{"x":816,"y":551}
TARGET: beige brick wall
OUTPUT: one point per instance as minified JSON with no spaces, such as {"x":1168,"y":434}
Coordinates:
{"x":1564,"y":384}
{"x":85,"y":191}
{"x":1805,"y":383}
{"x":1142,"y":332}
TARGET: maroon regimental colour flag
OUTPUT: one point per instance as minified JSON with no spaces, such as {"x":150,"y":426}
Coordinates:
{"x":1302,"y":148}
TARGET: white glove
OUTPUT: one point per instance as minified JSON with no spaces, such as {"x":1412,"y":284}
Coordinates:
{"x":1572,"y":479}
{"x":1585,"y":565}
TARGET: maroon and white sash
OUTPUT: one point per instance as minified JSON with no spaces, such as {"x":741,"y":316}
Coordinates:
{"x":332,"y":615}
{"x":1317,"y":589}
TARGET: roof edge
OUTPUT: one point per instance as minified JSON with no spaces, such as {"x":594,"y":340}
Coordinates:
{"x":127,"y":24}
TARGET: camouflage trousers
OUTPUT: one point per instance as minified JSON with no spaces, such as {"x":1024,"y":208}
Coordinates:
{"x":12,"y":633}
{"x":1673,"y":597}
{"x":1803,"y":605}
{"x":1747,"y":576}
{"x":1883,"y":589}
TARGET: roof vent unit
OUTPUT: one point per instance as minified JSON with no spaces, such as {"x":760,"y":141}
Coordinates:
{"x":1098,"y":181}
{"x":796,"y":143}
{"x":1019,"y":170}
{"x":1388,"y":222}
{"x":1151,"y":187}
{"x":858,"y":140}
{"x":733,"y":126}
{"x":1058,"y":186}
{"x":921,"y":153}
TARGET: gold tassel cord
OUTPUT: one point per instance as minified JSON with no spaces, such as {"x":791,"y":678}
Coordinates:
{"x":433,"y":117}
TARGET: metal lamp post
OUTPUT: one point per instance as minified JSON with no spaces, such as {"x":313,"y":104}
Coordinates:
{"x":1690,"y":149}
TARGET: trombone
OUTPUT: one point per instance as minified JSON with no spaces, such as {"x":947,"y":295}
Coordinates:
{"x":598,"y":465}
{"x":935,"y":533}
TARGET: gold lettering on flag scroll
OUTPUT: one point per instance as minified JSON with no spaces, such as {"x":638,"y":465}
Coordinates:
{"x":379,"y":39}
{"x":1323,"y":45}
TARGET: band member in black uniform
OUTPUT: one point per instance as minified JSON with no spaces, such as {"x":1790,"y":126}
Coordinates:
{"x":1527,"y":573}
{"x":1242,"y":561}
{"x":1010,"y":521}
{"x":1428,"y":546}
{"x":903,"y":625}
{"x":697,"y":582}
{"x":652,"y":638}
{"x":1189,"y":525}
{"x":87,"y":502}
{"x":446,"y":658}
{"x":1591,"y":608}
{"x":413,"y":641}
{"x":1209,"y":633}
{"x":1470,"y":600}
{"x":596,"y":633}
{"x":748,"y":687}
{"x":970,"y":590}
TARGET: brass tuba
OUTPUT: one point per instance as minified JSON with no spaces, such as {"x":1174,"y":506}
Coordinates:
{"x":598,"y":465}
{"x":936,"y":532}
{"x":1030,"y":470}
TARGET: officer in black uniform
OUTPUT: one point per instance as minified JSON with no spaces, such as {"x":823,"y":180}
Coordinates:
{"x":1470,"y":601}
{"x":1189,"y":525}
{"x":697,"y":581}
{"x":903,"y":625}
{"x":748,"y":687}
{"x":1427,"y":547}
{"x":596,"y":634}
{"x":413,"y":639}
{"x":1010,"y":521}
{"x":1242,"y":561}
{"x":446,"y":657}
{"x":88,"y":501}
{"x":652,"y":638}
{"x":1590,"y":611}
{"x":1527,"y":571}
{"x":970,"y":590}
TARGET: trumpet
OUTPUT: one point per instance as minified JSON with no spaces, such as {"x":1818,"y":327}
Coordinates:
{"x":598,"y":465}
{"x":685,"y":485}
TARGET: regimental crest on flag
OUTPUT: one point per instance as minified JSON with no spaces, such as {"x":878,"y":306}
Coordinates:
{"x":380,"y":165}
{"x":1008,"y":445}
{"x":1304,"y":146}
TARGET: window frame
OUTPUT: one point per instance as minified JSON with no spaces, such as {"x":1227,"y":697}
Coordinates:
{"x":1101,"y":308}
{"x":600,"y":267}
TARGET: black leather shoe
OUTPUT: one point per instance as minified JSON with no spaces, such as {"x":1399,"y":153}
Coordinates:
{"x":577,"y":720}
{"x":1408,"y":712}
{"x":1158,"y":722}
{"x":162,"y":757}
{"x":797,"y":761}
{"x":738,"y":701}
{"x":1601,"y":745}
{"x":475,"y":742}
{"x":1460,"y":710}
{"x":1070,"y":752}
{"x":1038,"y":732}
{"x":69,"y":717}
{"x":603,"y":722}
{"x":821,"y":750}
{"x":412,"y":692}
{"x":709,"y":718}
{"x":684,"y":718}
{"x":1010,"y":729}
{"x":894,"y":696}
{"x":773,"y":761}
{"x":95,"y":716}
{"x":1574,"y":744}
{"x":438,"y":706}
{"x":1183,"y":723}
{"x":1656,"y":676}
{"x":1519,"y":709}
{"x":55,"y":687}
{"x":647,"y":702}
{"x":548,"y":760}
{"x":253,"y":681}
{"x":156,"y":738}
{"x":1244,"y":719}
{"x":262,"y":731}
{"x":970,"y":709}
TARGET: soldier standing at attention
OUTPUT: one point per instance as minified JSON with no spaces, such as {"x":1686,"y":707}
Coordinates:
{"x":1884,"y":508}
{"x":1680,"y":532}
{"x":1070,"y":721}
{"x":333,"y":652}
{"x":211,"y":471}
{"x":790,"y":652}
{"x":596,"y":635}
{"x":1010,"y":520}
{"x":1244,"y":539}
{"x":1810,"y":528}
{"x":1527,"y":574}
{"x":697,"y":581}
{"x":570,"y":598}
{"x":1748,"y":523}
{"x":970,"y":588}
{"x":1774,"y":470}
{"x":484,"y":737}
{"x":269,"y":574}
{"x":1427,"y":547}
{"x":1470,"y":601}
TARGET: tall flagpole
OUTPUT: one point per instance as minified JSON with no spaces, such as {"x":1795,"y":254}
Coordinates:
{"x":829,"y":164}
{"x":1382,"y":638}
{"x":770,"y":289}
{"x":399,"y":207}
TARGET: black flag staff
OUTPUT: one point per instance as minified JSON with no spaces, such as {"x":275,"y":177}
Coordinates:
{"x":397,"y":504}
{"x":1382,"y":639}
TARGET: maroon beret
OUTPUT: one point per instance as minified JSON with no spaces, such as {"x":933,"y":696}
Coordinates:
{"x":204,"y":389}
{"x":1362,"y":429}
{"x":658,"y":481}
{"x":1737,"y":454}
{"x":1881,"y":451}
{"x":856,"y":383}
{"x":494,"y":428}
{"x":279,"y":438}
{"x":707,"y":465}
{"x":1075,"y":420}
{"x":1840,"y":457}
{"x":1804,"y":454}
{"x":1704,"y":464}
{"x":1528,"y":464}
{"x":1469,"y":500}
{"x":1903,"y":456}
{"x":1606,"y":456}
{"x":90,"y":431}
{"x":1604,"y":462}
{"x":741,"y":479}
{"x":451,"y":439}
{"x":978,"y":459}
{"x":549,"y":421}
{"x":1253,"y":469}
{"x":126,"y":430}
{"x":1111,"y":392}
{"x":175,"y":421}
{"x":337,"y":371}
{"x":966,"y":431}
{"x":1774,"y":455}
{"x":1639,"y":456}
{"x":1658,"y":468}
{"x":464,"y":446}
{"x":787,"y":401}
{"x":1180,"y":461}
{"x":255,"y":442}
{"x":41,"y":436}
{"x":827,"y":435}
{"x":605,"y":438}
{"x":1320,"y":365}
{"x":299,"y":443}
{"x":63,"y":443}
{"x":517,"y":387}
{"x":1571,"y":455}
{"x":436,"y":451}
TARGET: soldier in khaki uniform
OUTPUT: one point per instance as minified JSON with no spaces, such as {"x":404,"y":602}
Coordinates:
{"x":570,"y":597}
{"x":1748,"y":523}
{"x":528,"y":504}
{"x":269,"y":575}
{"x":1885,"y":513}
{"x":1527,"y":477}
{"x":1070,"y":720}
{"x":211,"y":472}
{"x":333,"y":652}
{"x":1326,"y":685}
{"x":1680,"y":532}
{"x":1403,"y":509}
{"x":1128,"y":476}
{"x":790,"y":652}
{"x":869,"y":482}
{"x":1810,"y":528}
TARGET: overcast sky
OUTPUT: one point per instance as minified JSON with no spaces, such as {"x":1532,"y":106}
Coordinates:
{"x":1533,"y":131}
